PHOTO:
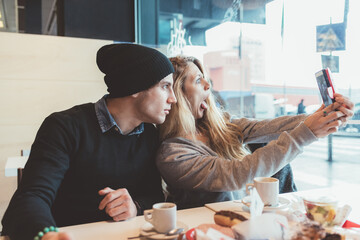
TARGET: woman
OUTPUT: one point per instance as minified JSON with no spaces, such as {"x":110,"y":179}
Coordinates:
{"x":202,"y":158}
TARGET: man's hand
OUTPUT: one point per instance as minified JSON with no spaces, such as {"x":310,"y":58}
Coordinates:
{"x":56,"y":236}
{"x":118,"y":204}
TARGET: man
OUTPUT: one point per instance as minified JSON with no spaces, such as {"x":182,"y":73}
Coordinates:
{"x":301,"y":107}
{"x":95,"y":162}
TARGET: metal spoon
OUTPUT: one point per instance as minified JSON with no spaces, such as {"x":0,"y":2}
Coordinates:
{"x":172,"y":232}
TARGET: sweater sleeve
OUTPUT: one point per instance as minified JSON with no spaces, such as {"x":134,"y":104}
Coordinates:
{"x":152,"y":194}
{"x":264,"y":131}
{"x":151,"y":183}
{"x":186,"y":164}
{"x":29,"y":210}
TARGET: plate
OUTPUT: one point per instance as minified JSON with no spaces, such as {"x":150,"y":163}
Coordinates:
{"x":148,"y":231}
{"x":283,"y":203}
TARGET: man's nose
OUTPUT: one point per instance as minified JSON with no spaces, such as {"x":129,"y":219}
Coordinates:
{"x":172,"y":98}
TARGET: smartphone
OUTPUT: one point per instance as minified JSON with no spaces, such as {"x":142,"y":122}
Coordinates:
{"x":323,"y":78}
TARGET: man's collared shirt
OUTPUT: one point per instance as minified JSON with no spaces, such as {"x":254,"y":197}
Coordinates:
{"x":106,"y":121}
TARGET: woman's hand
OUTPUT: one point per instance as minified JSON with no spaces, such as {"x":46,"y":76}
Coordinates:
{"x":346,"y":107}
{"x":325,"y":120}
{"x":56,"y":236}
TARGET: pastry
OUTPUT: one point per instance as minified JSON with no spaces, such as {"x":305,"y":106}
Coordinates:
{"x":228,"y":218}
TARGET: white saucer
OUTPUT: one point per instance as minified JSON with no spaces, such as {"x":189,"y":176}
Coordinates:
{"x":283,"y":203}
{"x":147,"y":230}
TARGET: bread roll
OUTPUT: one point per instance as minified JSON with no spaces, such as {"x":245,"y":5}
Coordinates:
{"x":228,"y":218}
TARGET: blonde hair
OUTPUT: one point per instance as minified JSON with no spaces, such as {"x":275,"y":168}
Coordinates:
{"x":225,"y":138}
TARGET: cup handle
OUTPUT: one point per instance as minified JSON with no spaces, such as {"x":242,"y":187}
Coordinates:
{"x":148,"y":215}
{"x":248,"y":186}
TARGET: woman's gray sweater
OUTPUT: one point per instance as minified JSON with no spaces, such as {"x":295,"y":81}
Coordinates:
{"x":196,"y":175}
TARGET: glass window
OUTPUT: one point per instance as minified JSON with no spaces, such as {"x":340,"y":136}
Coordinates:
{"x":261,"y":57}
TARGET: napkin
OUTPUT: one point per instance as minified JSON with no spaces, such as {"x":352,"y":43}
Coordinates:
{"x":211,"y":234}
{"x":257,"y":205}
{"x":266,"y":226}
{"x":341,"y":215}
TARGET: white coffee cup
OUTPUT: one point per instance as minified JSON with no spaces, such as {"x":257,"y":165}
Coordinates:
{"x":162,"y":216}
{"x":268,"y":189}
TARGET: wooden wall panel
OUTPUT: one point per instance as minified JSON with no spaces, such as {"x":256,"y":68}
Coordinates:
{"x":50,"y":58}
{"x":40,"y":75}
{"x":28,"y":102}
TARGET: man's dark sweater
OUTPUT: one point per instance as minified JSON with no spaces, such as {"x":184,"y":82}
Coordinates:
{"x":70,"y":161}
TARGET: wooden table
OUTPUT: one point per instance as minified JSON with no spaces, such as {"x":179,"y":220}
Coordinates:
{"x":122,"y":230}
{"x":196,"y":216}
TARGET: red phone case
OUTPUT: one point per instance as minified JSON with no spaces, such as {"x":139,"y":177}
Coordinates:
{"x":323,"y":78}
{"x":327,"y":74}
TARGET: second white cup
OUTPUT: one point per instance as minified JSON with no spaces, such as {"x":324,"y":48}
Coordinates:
{"x":162,"y":216}
{"x":268,"y":189}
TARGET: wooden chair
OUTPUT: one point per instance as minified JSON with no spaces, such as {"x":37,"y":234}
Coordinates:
{"x":24,"y":152}
{"x":19,"y":175}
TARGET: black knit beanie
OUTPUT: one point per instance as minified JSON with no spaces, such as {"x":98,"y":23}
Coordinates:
{"x":131,"y":68}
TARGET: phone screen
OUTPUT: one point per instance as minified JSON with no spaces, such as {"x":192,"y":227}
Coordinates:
{"x":325,"y":86}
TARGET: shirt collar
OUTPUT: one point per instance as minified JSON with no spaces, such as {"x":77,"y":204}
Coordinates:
{"x":107,"y":122}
